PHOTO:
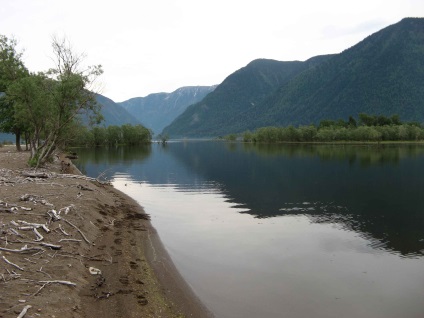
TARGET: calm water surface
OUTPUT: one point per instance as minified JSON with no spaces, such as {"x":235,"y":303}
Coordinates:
{"x":284,"y":230}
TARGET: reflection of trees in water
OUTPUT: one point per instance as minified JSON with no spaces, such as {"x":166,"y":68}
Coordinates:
{"x":106,"y":161}
{"x":372,"y":190}
{"x":112,"y":155}
{"x":365,"y":154}
{"x":381,"y":202}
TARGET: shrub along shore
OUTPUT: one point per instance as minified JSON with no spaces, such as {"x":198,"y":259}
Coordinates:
{"x":371,"y":128}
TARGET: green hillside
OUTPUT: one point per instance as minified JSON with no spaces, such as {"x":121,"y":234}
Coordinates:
{"x":218,"y":113}
{"x":383,"y":74}
{"x":113,"y":113}
{"x":158,"y":110}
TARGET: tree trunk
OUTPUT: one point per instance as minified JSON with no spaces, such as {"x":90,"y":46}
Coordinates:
{"x":27,"y":142}
{"x":18,"y":140}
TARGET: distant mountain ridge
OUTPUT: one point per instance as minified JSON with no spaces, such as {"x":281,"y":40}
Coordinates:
{"x":383,"y":74}
{"x":219,"y":113}
{"x":113,"y":113}
{"x":158,"y":110}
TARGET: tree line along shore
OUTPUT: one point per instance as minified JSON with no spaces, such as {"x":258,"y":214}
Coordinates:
{"x":368,"y":128}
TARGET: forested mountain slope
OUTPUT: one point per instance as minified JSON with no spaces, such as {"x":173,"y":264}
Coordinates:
{"x":158,"y":110}
{"x":113,"y":113}
{"x":218,"y":113}
{"x":383,"y":74}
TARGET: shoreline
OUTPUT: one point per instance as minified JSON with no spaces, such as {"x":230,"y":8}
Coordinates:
{"x":110,"y":233}
{"x":175,"y":289}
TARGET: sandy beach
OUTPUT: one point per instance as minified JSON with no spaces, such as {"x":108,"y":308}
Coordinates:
{"x":73,"y":247}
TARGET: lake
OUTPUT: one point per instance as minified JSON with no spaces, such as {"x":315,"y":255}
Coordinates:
{"x":283,"y":230}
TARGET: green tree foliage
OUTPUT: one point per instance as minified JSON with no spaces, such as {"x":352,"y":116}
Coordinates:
{"x":373,"y":128}
{"x":11,"y":69}
{"x":127,"y":134}
{"x":49,"y":103}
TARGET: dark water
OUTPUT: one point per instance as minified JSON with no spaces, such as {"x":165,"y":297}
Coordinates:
{"x":284,"y":230}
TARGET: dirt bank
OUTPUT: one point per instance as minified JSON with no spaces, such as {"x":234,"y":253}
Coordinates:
{"x":72,"y":247}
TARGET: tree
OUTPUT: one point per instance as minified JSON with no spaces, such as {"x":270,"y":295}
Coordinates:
{"x":367,"y":120}
{"x":352,"y":122}
{"x":63,"y":93}
{"x":163,"y":138}
{"x":11,"y":69}
{"x":31,"y":105}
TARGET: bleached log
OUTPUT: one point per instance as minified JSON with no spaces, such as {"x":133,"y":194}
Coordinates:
{"x":36,"y":225}
{"x":54,"y":215}
{"x":15,"y":232}
{"x":13,"y":264}
{"x":24,"y":249}
{"x":63,"y":282}
{"x":29,"y":197}
{"x":63,"y":231}
{"x":26,"y":228}
{"x":47,"y":282}
{"x":8,"y":210}
{"x":66,"y":209}
{"x":75,"y":176}
{"x":39,"y":236}
{"x":52,"y":246}
{"x":42,"y":175}
{"x":80,"y":232}
{"x":83,"y":187}
{"x":24,"y":311}
{"x":69,"y":240}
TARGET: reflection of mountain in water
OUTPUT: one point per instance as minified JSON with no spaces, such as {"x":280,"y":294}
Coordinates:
{"x":376,"y":191}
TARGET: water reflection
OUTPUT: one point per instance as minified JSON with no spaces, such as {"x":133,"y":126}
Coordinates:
{"x":373,"y":190}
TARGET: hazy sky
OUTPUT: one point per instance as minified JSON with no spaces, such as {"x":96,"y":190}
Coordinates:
{"x":151,"y":46}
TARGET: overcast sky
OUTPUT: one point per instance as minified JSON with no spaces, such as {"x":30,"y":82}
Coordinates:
{"x":151,"y":46}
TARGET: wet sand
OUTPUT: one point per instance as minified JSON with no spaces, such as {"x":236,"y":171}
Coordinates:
{"x":137,"y":279}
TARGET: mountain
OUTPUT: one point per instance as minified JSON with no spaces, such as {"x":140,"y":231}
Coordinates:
{"x":218,"y":113}
{"x":158,"y":110}
{"x":113,"y":113}
{"x":383,"y":74}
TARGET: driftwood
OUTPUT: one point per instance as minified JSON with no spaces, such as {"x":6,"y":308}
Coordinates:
{"x":34,"y":198}
{"x":39,"y":236}
{"x":24,"y":249}
{"x":69,"y":240}
{"x":13,"y":264}
{"x":29,"y":197}
{"x":42,"y":175}
{"x":9,"y":210}
{"x":33,"y":225}
{"x":80,"y":232}
{"x":83,"y":187}
{"x":54,"y":215}
{"x":63,"y":282}
{"x":63,"y":231}
{"x":52,"y":246}
{"x":76,"y":176}
{"x":24,"y":311}
{"x":48,"y":282}
{"x":66,"y":209}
